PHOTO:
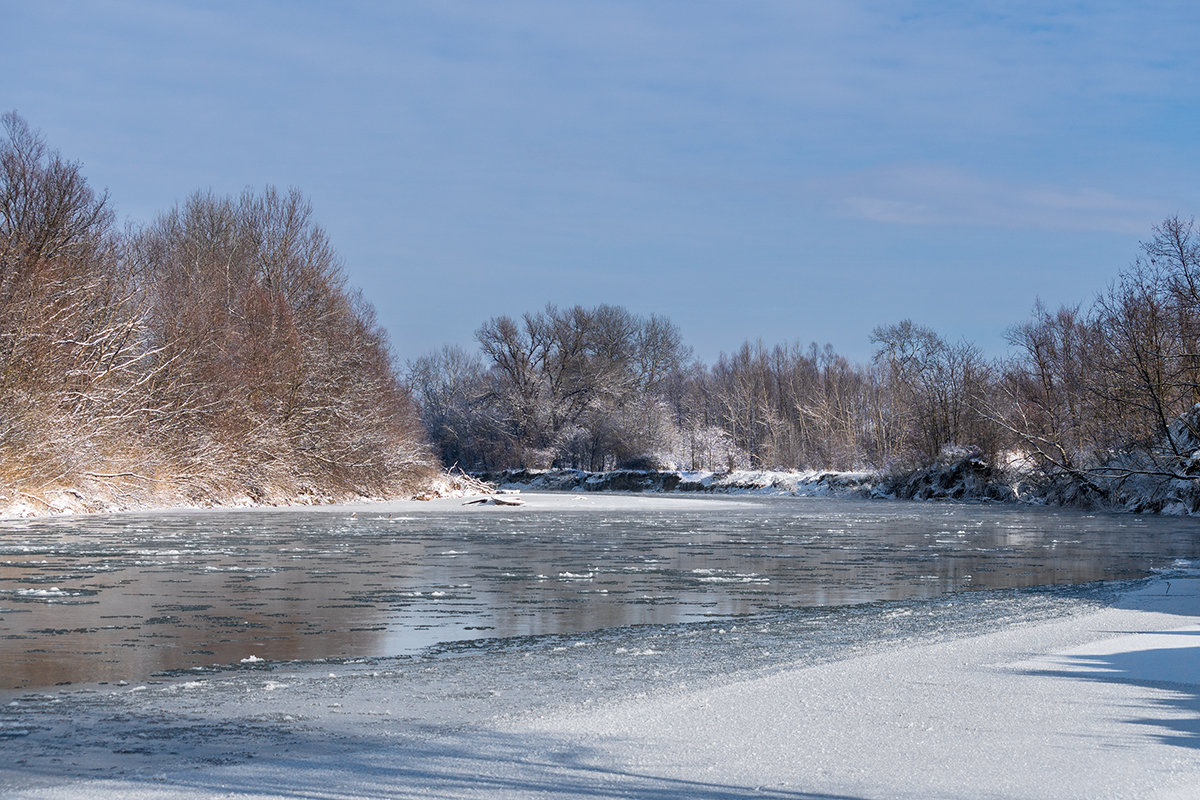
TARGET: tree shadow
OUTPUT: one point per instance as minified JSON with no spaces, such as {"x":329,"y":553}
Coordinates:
{"x":489,"y":764}
{"x":402,"y":762}
{"x":1170,"y":665}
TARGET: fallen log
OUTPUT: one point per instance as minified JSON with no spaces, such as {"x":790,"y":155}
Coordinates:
{"x":496,"y":500}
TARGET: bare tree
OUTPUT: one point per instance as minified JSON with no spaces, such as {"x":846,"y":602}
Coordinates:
{"x":573,"y":385}
{"x":69,"y":323}
{"x":214,"y":353}
{"x":275,"y":365}
{"x":933,"y":388}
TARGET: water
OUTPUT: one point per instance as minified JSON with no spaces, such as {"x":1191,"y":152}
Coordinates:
{"x":123,"y":596}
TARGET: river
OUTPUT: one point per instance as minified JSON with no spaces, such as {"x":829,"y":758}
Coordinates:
{"x":122,"y":596}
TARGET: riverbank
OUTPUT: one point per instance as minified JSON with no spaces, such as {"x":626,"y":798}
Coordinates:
{"x":809,"y":483}
{"x":69,"y":501}
{"x":967,"y":478}
{"x":1070,"y":697}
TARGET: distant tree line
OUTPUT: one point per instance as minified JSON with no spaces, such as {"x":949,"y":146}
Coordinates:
{"x":214,"y":353}
{"x":1096,"y":392}
{"x":603,"y":388}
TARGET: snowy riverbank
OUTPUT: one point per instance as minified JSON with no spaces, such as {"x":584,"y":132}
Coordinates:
{"x":90,"y":500}
{"x":1012,"y":694}
{"x":964,"y":477}
{"x":967,"y":478}
{"x":810,"y":483}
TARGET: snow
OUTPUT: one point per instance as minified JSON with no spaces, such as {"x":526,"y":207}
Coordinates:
{"x":1109,"y":708}
{"x":1030,"y":697}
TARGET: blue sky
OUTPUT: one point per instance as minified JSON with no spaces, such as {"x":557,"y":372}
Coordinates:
{"x":783,"y":170}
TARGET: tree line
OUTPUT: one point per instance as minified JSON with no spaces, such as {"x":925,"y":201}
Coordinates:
{"x":603,"y":388}
{"x":216,"y":352}
{"x":1101,"y":391}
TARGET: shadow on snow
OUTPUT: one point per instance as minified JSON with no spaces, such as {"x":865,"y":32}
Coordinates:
{"x":1172,"y":670}
{"x":409,"y":762}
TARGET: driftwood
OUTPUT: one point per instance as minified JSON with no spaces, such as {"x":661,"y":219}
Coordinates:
{"x":507,"y":497}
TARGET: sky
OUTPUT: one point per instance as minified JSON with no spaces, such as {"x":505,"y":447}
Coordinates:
{"x":783,"y":170}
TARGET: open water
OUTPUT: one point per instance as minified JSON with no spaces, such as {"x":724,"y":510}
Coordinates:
{"x":120,"y":597}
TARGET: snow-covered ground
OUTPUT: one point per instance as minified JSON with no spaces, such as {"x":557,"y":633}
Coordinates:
{"x":984,"y":695}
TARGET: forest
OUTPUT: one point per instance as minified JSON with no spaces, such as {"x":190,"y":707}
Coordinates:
{"x":213,"y":355}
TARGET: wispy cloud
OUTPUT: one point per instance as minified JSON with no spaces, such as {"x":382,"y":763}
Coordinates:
{"x":936,"y":195}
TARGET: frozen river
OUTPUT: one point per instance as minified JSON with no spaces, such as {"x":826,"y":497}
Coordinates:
{"x":119,"y":597}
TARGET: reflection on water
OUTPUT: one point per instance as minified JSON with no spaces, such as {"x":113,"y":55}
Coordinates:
{"x":119,"y":597}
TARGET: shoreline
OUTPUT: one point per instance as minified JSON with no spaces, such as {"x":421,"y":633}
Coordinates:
{"x":967,"y":479}
{"x":1089,"y":701}
{"x":742,"y":482}
{"x":552,"y":499}
{"x":22,"y":511}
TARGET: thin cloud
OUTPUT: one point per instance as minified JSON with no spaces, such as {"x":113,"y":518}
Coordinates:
{"x":934,"y":195}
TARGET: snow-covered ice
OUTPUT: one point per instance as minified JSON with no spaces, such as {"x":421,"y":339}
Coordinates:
{"x":995,"y":695}
{"x":1102,"y":705}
